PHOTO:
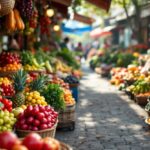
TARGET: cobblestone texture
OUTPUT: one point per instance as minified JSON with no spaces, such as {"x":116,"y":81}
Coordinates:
{"x":106,"y":119}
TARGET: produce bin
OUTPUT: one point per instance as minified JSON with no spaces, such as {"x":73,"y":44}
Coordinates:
{"x":67,"y":118}
{"x":141,"y":100}
{"x":43,"y":133}
{"x":75,"y":91}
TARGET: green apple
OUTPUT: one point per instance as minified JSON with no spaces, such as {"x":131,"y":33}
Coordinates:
{"x":4,"y":128}
{"x":6,"y":119}
{"x":2,"y":114}
{"x":17,"y":111}
{"x":1,"y":122}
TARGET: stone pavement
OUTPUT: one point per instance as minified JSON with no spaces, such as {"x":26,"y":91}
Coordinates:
{"x":106,"y":119}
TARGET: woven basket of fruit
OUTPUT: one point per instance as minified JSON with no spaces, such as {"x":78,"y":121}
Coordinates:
{"x":65,"y":146}
{"x":141,"y":100}
{"x":43,"y":133}
{"x":6,"y":6}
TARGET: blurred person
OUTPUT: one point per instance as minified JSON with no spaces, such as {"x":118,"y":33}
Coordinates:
{"x":79,"y":47}
{"x":65,"y":42}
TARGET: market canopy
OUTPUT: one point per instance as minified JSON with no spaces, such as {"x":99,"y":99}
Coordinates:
{"x":75,"y":27}
{"x":99,"y":32}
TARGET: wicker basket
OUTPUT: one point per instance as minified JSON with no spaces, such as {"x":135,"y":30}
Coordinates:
{"x":42,"y":133}
{"x":7,"y":73}
{"x":141,"y":100}
{"x":65,"y":146}
{"x":67,"y":115}
{"x":6,"y":6}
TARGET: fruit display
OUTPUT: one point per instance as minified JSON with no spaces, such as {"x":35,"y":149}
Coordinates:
{"x":25,"y":7}
{"x":34,"y":98}
{"x":57,"y":80}
{"x":71,"y":80}
{"x":118,"y":75}
{"x":29,"y":62}
{"x":19,"y":84}
{"x":7,"y":121}
{"x":9,"y":62}
{"x":13,"y":21}
{"x":69,"y":100}
{"x":53,"y":94}
{"x":61,"y":66}
{"x":9,"y":141}
{"x":140,"y":86}
{"x":16,"y":111}
{"x":30,"y":67}
{"x":43,"y":117}
{"x":5,"y":104}
{"x":5,"y":80}
{"x":44,"y":24}
{"x":7,"y":90}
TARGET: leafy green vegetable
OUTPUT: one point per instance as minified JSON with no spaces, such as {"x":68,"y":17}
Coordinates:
{"x":68,"y":57}
{"x":27,"y":57}
{"x":53,"y":94}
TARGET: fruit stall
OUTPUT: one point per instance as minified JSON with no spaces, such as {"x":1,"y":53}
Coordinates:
{"x":38,"y":81}
{"x":129,"y":71}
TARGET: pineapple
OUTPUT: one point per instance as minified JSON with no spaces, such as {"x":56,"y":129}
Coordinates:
{"x":39,"y":83}
{"x":19,"y":84}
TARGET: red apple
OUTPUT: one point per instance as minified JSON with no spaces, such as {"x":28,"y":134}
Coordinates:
{"x":24,"y":127}
{"x":33,"y":142}
{"x":36,"y":122}
{"x":40,"y":116}
{"x":8,"y":140}
{"x":44,"y":120}
{"x":43,"y":126}
{"x":30,"y":120}
{"x":50,"y":144}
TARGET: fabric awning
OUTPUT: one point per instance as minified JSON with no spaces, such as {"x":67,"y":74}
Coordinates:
{"x":104,"y":4}
{"x":75,"y":27}
{"x":98,"y":32}
{"x":84,"y":19}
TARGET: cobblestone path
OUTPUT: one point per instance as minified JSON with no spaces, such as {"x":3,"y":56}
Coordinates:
{"x":106,"y":119}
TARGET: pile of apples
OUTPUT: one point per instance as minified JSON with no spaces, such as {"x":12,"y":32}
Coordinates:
{"x":57,"y":80}
{"x":5,"y":104}
{"x":7,"y":90}
{"x":9,"y":61}
{"x":36,"y":118}
{"x":7,"y":120}
{"x":9,"y":141}
{"x":6,"y":87}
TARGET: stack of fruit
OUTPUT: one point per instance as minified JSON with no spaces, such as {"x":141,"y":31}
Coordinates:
{"x":5,"y":104}
{"x":57,"y":80}
{"x":9,"y":62}
{"x":34,"y":98}
{"x":118,"y":75}
{"x":6,"y":87}
{"x":7,"y":121}
{"x":9,"y":141}
{"x":140,"y":86}
{"x":69,"y":100}
{"x":36,"y":118}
